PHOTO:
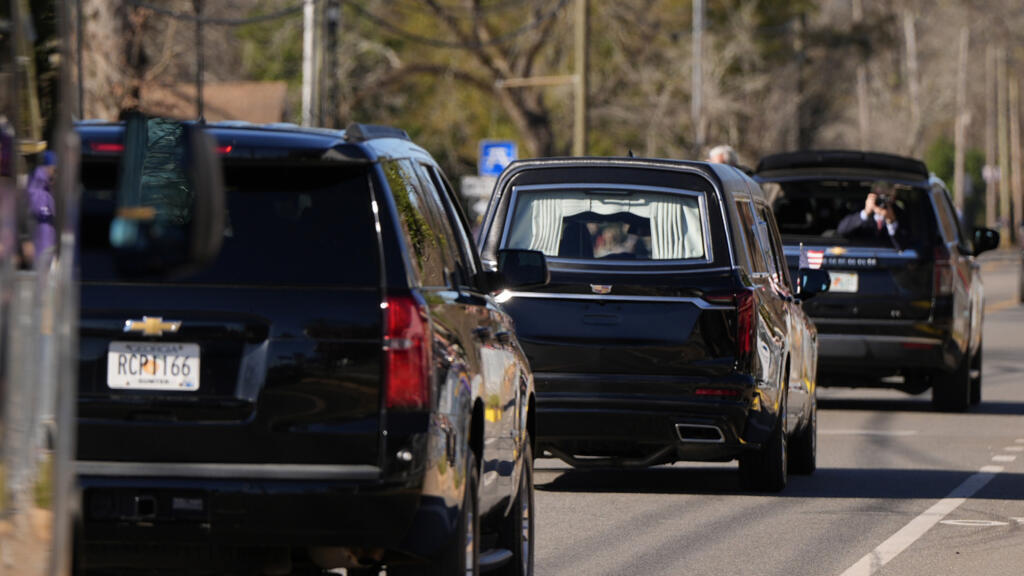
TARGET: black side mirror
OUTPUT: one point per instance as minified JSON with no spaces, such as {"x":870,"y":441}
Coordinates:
{"x":811,"y":281}
{"x":522,"y":269}
{"x":170,"y":199}
{"x":985,"y":239}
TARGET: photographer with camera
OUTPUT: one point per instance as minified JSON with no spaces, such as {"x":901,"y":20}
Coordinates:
{"x":878,"y":219}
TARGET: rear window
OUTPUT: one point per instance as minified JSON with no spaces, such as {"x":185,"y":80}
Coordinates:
{"x":814,"y":212}
{"x":608,"y":224}
{"x":296,"y":225}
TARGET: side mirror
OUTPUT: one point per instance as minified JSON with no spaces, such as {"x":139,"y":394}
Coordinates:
{"x":811,"y":281}
{"x":522,"y":269}
{"x":985,"y":239}
{"x":170,"y":199}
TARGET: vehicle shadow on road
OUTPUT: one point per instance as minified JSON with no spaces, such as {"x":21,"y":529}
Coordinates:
{"x":867,"y":483}
{"x":923,"y":404}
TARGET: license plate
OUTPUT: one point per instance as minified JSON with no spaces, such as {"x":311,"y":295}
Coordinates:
{"x":843,"y":281}
{"x":168,"y":366}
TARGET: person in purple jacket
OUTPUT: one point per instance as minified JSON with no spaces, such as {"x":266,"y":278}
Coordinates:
{"x":42,"y":212}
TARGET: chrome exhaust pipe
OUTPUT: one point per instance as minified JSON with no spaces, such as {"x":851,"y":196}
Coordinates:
{"x":700,"y":433}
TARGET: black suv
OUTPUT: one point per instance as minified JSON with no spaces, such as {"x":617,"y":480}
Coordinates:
{"x":337,"y":389}
{"x":905,"y":306}
{"x":670,"y":329}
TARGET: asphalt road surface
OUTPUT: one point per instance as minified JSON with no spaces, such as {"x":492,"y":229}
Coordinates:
{"x":900,"y":490}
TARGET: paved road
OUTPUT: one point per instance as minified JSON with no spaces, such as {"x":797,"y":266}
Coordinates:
{"x":900,"y":490}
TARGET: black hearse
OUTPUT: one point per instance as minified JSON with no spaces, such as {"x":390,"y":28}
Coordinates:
{"x":671,"y":329}
{"x":337,"y":388}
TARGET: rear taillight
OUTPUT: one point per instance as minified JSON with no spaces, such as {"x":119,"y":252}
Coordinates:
{"x":744,"y":302}
{"x":943,"y":278}
{"x":406,"y":349}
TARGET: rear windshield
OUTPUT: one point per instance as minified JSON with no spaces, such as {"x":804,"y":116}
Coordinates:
{"x":296,"y":225}
{"x":835,"y":212}
{"x":608,"y":224}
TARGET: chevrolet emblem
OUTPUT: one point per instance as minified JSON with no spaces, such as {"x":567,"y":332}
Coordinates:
{"x":837,"y":250}
{"x":151,"y":326}
{"x":601,"y":288}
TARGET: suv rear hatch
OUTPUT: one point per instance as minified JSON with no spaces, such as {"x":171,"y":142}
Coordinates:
{"x":874,"y":277}
{"x":271,"y":354}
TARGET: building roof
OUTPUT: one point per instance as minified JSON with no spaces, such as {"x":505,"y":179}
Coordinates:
{"x":258,"y":102}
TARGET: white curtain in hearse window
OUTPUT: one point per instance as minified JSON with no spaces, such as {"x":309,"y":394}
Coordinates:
{"x":671,"y":230}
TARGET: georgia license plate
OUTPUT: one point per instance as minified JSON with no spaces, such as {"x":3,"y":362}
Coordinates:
{"x":843,"y":281}
{"x":170,"y":366}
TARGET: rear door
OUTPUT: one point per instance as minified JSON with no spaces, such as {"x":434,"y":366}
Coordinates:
{"x":271,"y":354}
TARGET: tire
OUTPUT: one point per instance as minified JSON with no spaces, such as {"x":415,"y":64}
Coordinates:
{"x":803,"y":449}
{"x":517,"y":532}
{"x":951,"y":391}
{"x":976,"y":380}
{"x":766,"y":470}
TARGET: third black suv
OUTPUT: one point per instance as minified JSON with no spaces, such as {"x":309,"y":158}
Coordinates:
{"x":905,"y":305}
{"x":337,"y":389}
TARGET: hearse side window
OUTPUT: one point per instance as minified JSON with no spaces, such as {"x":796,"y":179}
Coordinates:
{"x":608,"y":224}
{"x":750,"y":236}
{"x":775,"y":250}
{"x":420,"y":223}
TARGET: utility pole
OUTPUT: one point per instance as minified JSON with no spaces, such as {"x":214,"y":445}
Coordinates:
{"x":913,"y":83}
{"x":329,"y":115}
{"x":1016,"y":180}
{"x":200,"y":62}
{"x":1004,"y":150}
{"x":579,"y":142}
{"x":308,"y":26}
{"x":991,"y":171}
{"x":863,"y":120}
{"x":962,"y":118}
{"x":697,"y":90}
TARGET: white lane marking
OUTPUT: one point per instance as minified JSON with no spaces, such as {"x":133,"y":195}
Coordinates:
{"x":1018,"y":520}
{"x":917,"y":527}
{"x":974,"y":523}
{"x":1004,"y":458}
{"x":1014,"y":449}
{"x":854,"y":432}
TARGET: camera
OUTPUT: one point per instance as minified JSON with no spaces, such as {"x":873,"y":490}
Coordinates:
{"x":883,"y":200}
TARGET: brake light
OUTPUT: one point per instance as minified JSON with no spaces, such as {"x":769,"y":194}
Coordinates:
{"x":406,"y":351}
{"x":943,"y":277}
{"x":745,"y":310}
{"x":107,"y":147}
{"x":720,"y":392}
{"x":225,"y":149}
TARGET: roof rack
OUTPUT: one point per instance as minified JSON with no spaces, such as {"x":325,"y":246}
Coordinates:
{"x":356,"y":132}
{"x":842,"y":159}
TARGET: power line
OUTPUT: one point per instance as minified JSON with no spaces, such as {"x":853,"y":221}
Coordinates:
{"x":502,"y":39}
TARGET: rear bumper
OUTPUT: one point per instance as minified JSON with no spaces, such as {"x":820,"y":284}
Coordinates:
{"x":637,"y":429}
{"x":170,"y":515}
{"x":854,"y":355}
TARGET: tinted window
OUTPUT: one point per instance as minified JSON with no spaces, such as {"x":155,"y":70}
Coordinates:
{"x":608,"y":224}
{"x":810,"y":211}
{"x":421,"y":224}
{"x":947,"y":219}
{"x":467,"y":248}
{"x":308,"y":225}
{"x":750,"y":236}
{"x":774,"y":245}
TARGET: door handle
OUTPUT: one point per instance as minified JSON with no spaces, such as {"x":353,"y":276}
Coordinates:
{"x":482,"y":332}
{"x":503,"y":337}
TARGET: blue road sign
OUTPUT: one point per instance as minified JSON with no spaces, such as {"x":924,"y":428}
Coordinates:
{"x":495,"y":155}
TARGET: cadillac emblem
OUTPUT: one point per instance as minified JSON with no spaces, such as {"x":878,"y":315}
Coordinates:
{"x":601,"y":288}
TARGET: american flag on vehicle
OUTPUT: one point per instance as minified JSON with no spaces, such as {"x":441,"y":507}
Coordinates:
{"x":811,"y":258}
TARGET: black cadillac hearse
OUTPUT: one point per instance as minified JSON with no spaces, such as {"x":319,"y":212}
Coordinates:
{"x":671,"y":328}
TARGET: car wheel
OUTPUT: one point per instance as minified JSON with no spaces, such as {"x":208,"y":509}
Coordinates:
{"x":766,"y":470}
{"x":518,"y":529}
{"x":803,"y":449}
{"x":951,"y":391}
{"x":976,"y":377}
